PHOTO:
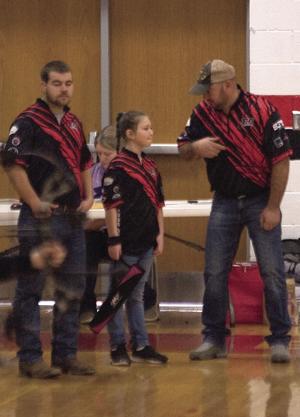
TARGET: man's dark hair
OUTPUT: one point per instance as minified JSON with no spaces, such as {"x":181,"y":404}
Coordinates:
{"x":57,"y":66}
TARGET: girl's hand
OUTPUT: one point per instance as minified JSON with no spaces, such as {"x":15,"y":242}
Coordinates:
{"x":115,"y":251}
{"x":85,"y":205}
{"x":159,"y":245}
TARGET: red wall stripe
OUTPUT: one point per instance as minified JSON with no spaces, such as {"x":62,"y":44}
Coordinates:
{"x":285,"y":106}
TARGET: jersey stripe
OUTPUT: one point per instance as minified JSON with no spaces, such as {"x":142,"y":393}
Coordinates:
{"x":145,"y":173}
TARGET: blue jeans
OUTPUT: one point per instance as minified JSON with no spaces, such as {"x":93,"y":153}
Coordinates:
{"x":227,"y":219}
{"x":69,"y":284}
{"x":134,"y":307}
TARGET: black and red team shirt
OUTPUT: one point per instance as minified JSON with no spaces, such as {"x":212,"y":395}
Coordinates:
{"x":42,"y":146}
{"x":255,"y":140}
{"x":134,"y":188}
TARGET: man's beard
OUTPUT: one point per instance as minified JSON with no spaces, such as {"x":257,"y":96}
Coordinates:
{"x":58,"y":102}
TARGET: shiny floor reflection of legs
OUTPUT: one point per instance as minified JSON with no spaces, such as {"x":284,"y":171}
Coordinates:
{"x":246,"y":384}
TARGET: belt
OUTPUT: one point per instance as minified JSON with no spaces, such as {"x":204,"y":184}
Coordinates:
{"x":241,"y":196}
{"x":65,"y":210}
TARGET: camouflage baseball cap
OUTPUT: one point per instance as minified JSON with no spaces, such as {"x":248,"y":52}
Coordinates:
{"x":215,"y":71}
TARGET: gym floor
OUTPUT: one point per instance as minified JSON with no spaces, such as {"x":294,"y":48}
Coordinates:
{"x":245,"y":384}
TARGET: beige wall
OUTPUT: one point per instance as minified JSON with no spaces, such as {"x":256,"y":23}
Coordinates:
{"x":157,"y":48}
{"x":35,"y":32}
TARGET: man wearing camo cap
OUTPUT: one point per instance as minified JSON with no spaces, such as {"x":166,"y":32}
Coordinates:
{"x":244,"y":144}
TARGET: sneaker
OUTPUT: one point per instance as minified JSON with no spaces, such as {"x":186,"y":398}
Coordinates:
{"x":71,"y":365}
{"x":38,"y":369}
{"x":149,"y":355}
{"x":280,"y":353}
{"x":208,"y":350}
{"x":119,"y":356}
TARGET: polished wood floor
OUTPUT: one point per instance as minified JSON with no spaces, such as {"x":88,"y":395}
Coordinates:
{"x":245,"y":384}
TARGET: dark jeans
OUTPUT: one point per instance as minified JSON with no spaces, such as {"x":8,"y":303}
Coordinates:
{"x":227,"y":220}
{"x":96,"y":250}
{"x":69,"y":282}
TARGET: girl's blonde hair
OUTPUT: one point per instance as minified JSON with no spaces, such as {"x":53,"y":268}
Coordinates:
{"x":108,"y":139}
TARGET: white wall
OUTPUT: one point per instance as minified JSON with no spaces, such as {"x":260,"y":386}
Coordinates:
{"x":274,"y":46}
{"x":274,"y":58}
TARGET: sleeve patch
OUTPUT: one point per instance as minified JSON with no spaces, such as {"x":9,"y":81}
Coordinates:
{"x":13,"y":130}
{"x":108,"y":181}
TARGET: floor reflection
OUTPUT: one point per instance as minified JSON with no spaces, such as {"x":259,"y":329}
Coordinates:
{"x":244,"y":385}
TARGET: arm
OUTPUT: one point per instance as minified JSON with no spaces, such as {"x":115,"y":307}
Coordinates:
{"x":194,"y":142}
{"x":97,"y":173}
{"x":115,"y":248}
{"x":160,"y":237}
{"x":19,"y":179}
{"x":271,"y":215}
{"x":88,"y":200}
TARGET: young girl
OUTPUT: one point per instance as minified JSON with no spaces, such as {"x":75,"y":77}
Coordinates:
{"x":133,"y":201}
{"x":106,"y":144}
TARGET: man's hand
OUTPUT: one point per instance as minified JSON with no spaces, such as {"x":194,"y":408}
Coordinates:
{"x":48,"y":254}
{"x":207,"y":147}
{"x":270,"y":218}
{"x":43,"y":209}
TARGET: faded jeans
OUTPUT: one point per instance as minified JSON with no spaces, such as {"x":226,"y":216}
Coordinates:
{"x":69,"y":283}
{"x":134,"y":307}
{"x":227,"y":219}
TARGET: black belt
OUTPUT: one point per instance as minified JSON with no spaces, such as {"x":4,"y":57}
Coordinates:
{"x":242,"y":196}
{"x":66,"y":210}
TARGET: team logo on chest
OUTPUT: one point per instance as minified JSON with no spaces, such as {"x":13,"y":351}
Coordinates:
{"x":247,"y":121}
{"x":73,"y":125}
{"x":152,"y":173}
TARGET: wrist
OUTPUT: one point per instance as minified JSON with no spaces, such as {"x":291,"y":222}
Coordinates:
{"x":196,"y":148}
{"x":273,"y":207}
{"x":113,"y":240}
{"x":32,"y":200}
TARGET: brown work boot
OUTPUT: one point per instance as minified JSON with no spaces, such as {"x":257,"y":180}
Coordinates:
{"x":73,"y":366}
{"x":38,"y":369}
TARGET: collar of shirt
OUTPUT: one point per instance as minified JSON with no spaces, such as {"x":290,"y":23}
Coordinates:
{"x":44,"y":104}
{"x":133,"y":154}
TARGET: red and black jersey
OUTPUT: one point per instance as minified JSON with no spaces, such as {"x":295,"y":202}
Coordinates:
{"x":134,"y":187}
{"x":41,"y":144}
{"x":255,"y":139}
